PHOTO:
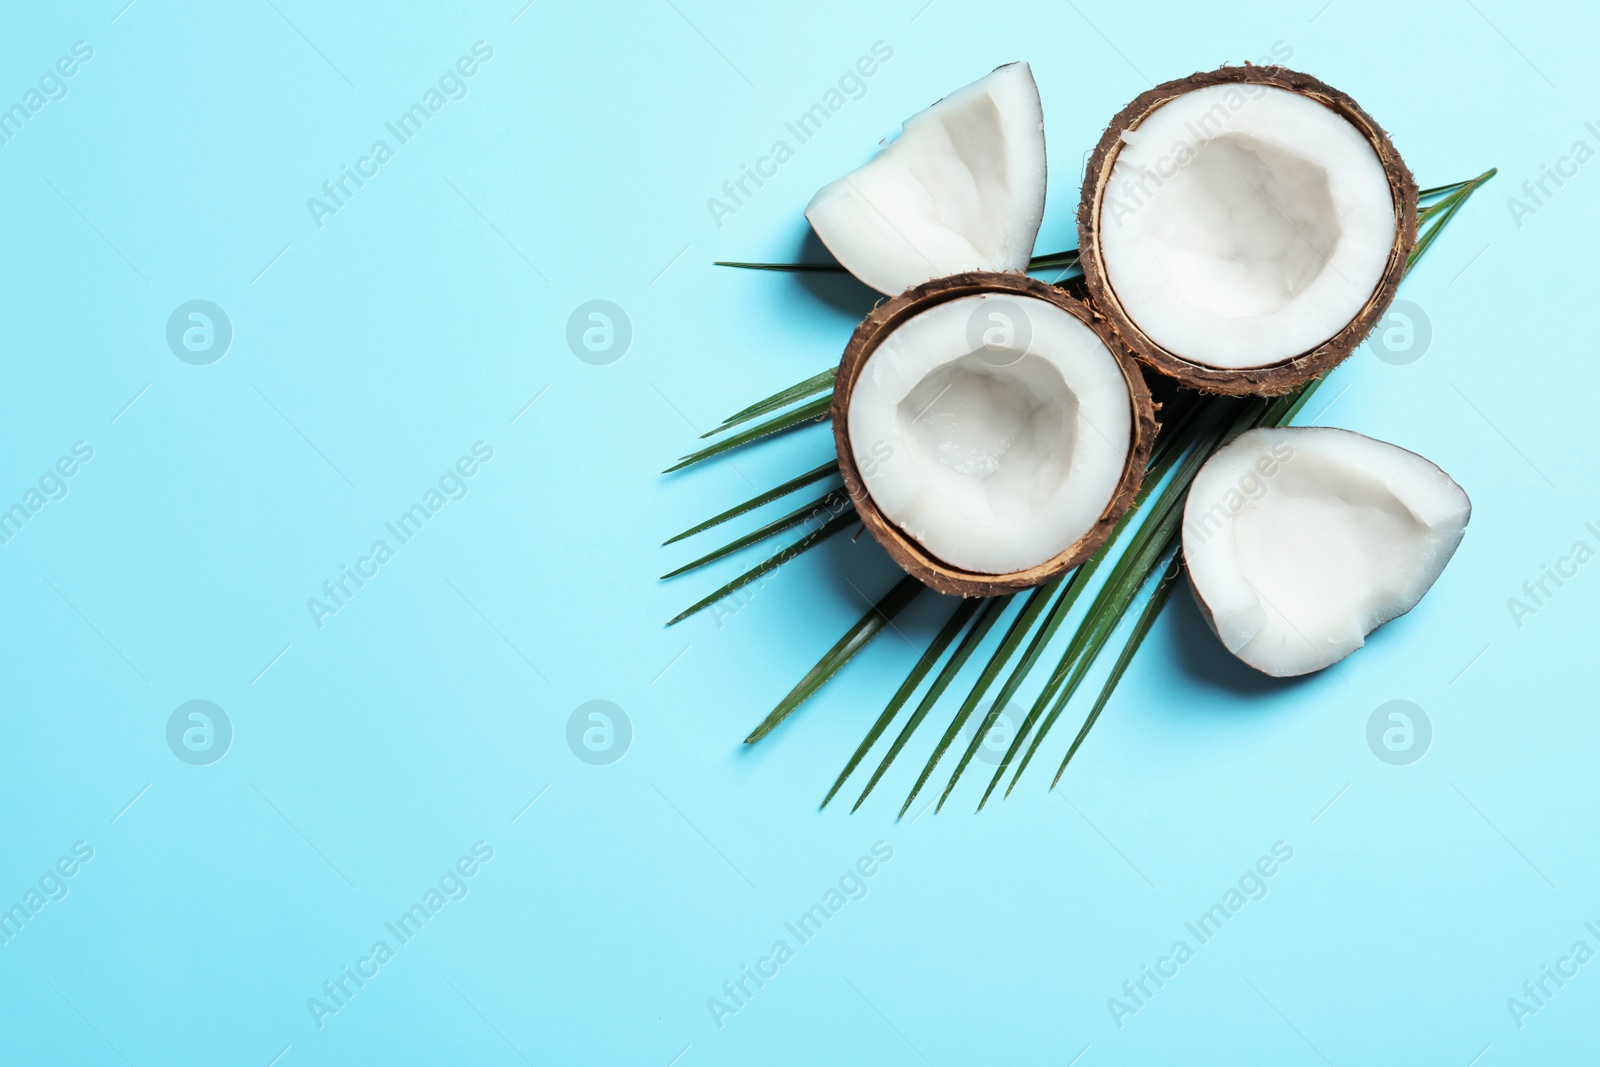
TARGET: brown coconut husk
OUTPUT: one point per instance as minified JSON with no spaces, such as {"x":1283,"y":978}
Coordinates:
{"x":906,"y":551}
{"x":1278,"y":378}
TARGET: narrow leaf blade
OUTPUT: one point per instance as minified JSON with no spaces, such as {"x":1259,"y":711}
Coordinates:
{"x":1141,"y":627}
{"x":815,"y":411}
{"x":809,"y":541}
{"x":855,"y":639}
{"x":925,"y":663}
{"x":828,"y":503}
{"x":992,"y":609}
{"x":817,"y":383}
{"x":816,"y":475}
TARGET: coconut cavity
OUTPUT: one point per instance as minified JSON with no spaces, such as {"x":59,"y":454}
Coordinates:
{"x":1244,"y":229}
{"x":1245,"y":224}
{"x":1301,"y":541}
{"x":992,"y":429}
{"x":961,"y":189}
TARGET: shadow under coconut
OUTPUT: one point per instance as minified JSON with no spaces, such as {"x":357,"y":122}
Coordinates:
{"x":856,"y":574}
{"x":1202,"y":657}
{"x":838,"y":290}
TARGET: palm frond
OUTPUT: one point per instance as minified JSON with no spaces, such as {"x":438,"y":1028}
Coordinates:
{"x":1182,"y":414}
{"x":1446,"y":210}
{"x":1141,"y":626}
{"x":988,"y":613}
{"x":925,"y":663}
{"x":817,"y":383}
{"x":816,"y":475}
{"x":1127,"y":576}
{"x":833,"y":268}
{"x":855,"y":639}
{"x":1041,"y":639}
{"x":815,"y":411}
{"x":829,"y":503}
{"x":1440,"y":190}
{"x":809,"y":541}
{"x":1036,"y":602}
{"x":1166,"y":454}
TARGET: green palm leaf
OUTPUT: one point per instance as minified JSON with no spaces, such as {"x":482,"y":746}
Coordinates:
{"x":1037,"y":600}
{"x":1167,"y":452}
{"x":1141,"y":626}
{"x":1054,"y":261}
{"x":1127,"y":574}
{"x":925,"y":663}
{"x":817,"y":383}
{"x":815,"y":411}
{"x":809,"y":541}
{"x":828,"y":468}
{"x":854,"y":640}
{"x":988,"y":613}
{"x":792,"y":267}
{"x":1134,"y":568}
{"x":1053,"y":620}
{"x":1449,"y":205}
{"x":833,"y":500}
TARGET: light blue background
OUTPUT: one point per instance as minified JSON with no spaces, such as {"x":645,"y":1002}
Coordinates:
{"x":425,"y":315}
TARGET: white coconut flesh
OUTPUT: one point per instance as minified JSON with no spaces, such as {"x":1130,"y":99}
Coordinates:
{"x":1244,"y":224}
{"x":996,"y":456}
{"x":961,"y":188}
{"x":1302,"y":541}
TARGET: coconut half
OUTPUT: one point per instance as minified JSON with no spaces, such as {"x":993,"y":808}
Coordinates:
{"x":1301,"y":541}
{"x":1245,"y":229}
{"x":990,"y":430}
{"x":961,"y":189}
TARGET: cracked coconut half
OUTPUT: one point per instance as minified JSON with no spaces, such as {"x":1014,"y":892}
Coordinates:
{"x":1244,"y":229}
{"x":1301,"y":541}
{"x":990,"y":430}
{"x":961,"y":189}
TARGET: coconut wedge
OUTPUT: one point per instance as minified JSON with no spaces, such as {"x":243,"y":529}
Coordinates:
{"x":991,"y":430}
{"x":961,"y":189}
{"x":1244,"y":229}
{"x":1301,"y":541}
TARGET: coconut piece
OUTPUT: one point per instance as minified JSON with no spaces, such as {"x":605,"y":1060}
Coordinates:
{"x":1245,"y":229}
{"x":961,"y":189}
{"x":990,"y":431}
{"x":1301,"y":541}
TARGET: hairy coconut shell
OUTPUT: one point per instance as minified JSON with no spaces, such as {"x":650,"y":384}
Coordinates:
{"x":1277,"y":378}
{"x":906,"y":551}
